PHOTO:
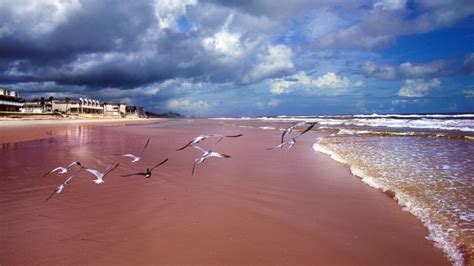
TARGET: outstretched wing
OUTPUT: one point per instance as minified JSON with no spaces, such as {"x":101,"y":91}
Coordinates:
{"x":279,"y":146}
{"x":185,"y":146}
{"x":234,"y":136}
{"x":308,"y":128}
{"x":220,"y":155}
{"x":52,"y":171}
{"x":199,"y":148}
{"x":164,"y":161}
{"x":143,"y":174}
{"x":110,"y":169}
{"x":141,"y":153}
{"x":286,"y":132}
{"x":60,"y":188}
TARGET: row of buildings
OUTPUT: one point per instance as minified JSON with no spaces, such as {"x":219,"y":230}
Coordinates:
{"x":10,"y":101}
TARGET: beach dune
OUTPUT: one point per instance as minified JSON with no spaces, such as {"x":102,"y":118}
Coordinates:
{"x":258,"y":207}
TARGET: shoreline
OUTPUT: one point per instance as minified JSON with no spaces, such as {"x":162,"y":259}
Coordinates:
{"x":286,"y":207}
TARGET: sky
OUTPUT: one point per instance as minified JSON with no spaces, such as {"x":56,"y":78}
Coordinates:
{"x":244,"y":58}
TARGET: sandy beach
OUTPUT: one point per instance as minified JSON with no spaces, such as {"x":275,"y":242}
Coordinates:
{"x":258,"y":207}
{"x":23,"y":129}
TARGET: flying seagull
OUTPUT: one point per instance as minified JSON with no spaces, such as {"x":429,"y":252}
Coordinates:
{"x":299,"y":124}
{"x":148,"y":171}
{"x":207,"y":154}
{"x":61,"y":187}
{"x":100,"y":175}
{"x":200,"y":138}
{"x":290,"y":144}
{"x":134,"y":157}
{"x":62,"y":170}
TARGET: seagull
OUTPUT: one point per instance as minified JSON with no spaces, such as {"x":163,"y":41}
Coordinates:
{"x":62,"y":170}
{"x":147,"y":174}
{"x":200,"y":138}
{"x":134,"y":157}
{"x":207,"y":154}
{"x":61,"y":187}
{"x":290,"y":144}
{"x":99,"y":175}
{"x":299,"y":124}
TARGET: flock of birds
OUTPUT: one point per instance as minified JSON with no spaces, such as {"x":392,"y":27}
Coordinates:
{"x":206,"y":154}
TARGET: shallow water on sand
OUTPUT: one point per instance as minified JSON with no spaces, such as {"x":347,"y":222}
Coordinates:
{"x":426,"y":162}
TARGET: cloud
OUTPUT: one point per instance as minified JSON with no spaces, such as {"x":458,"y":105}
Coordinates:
{"x":332,"y":81}
{"x":468,"y":93}
{"x":187,"y":105}
{"x":468,"y":66}
{"x":390,"y":4}
{"x":277,"y":61}
{"x":406,"y":70}
{"x":390,"y":19}
{"x":300,"y":80}
{"x":417,"y":87}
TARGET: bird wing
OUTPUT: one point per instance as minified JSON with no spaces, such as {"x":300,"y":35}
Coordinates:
{"x":110,"y":169}
{"x":95,"y":172}
{"x":54,"y":170}
{"x":220,"y":155}
{"x":60,"y":188}
{"x":234,"y":136}
{"x":141,"y":153}
{"x":185,"y":146}
{"x":197,"y":161}
{"x":199,"y":148}
{"x":307,"y":129}
{"x":143,"y":174}
{"x":279,"y":146}
{"x":128,"y":155}
{"x":164,"y":161}
{"x":71,"y":165}
{"x":286,"y":132}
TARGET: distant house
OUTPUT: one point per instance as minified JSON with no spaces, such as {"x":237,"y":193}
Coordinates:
{"x":10,"y":100}
{"x":38,"y":105}
{"x":115,"y":109}
{"x":134,"y":111}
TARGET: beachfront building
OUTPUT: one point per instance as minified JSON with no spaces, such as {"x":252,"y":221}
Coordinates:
{"x":115,"y":109}
{"x":134,"y":111}
{"x":10,"y":100}
{"x":41,"y":105}
{"x":78,"y":106}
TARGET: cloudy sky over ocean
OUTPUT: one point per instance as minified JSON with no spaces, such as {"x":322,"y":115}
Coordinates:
{"x":238,"y":58}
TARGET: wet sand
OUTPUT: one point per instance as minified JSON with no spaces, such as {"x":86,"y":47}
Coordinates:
{"x":23,"y":130}
{"x":258,"y":207}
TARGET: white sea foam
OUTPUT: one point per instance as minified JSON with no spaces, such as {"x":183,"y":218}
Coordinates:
{"x":439,"y":235}
{"x":461,"y":122}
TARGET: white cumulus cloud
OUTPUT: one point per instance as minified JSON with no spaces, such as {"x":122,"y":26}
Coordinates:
{"x":276,"y":60}
{"x":187,"y":105}
{"x":417,"y":87}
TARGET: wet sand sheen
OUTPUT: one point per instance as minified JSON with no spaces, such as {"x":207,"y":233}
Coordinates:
{"x":265,"y":207}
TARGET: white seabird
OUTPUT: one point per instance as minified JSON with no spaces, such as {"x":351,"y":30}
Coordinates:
{"x":135,"y":158}
{"x":148,"y":171}
{"x":63,"y":185}
{"x":290,"y":144}
{"x":101,"y":175}
{"x":62,"y":170}
{"x":200,"y":138}
{"x":299,"y":124}
{"x":207,"y":154}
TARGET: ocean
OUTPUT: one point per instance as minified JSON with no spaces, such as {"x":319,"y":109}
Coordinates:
{"x":425,"y":162}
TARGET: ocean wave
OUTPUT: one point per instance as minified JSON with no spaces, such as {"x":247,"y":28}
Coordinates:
{"x":437,"y":233}
{"x":353,"y":132}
